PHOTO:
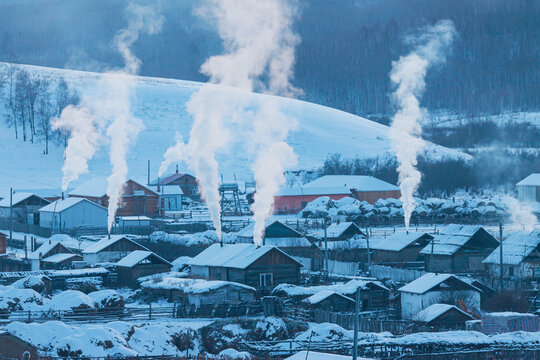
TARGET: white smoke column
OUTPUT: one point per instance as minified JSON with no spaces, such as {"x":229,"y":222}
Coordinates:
{"x":521,"y":214}
{"x":82,"y":142}
{"x":258,"y":40}
{"x":121,"y":86}
{"x":408,"y":73}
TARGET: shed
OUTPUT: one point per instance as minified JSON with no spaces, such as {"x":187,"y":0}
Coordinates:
{"x":46,"y":250}
{"x":72,"y":213}
{"x":442,"y":314}
{"x":528,"y":189}
{"x":521,"y":256}
{"x":459,"y":248}
{"x":502,"y":322}
{"x":262,"y":267}
{"x":60,"y":261}
{"x":436,"y":288}
{"x":171,"y":197}
{"x":140,"y":263}
{"x":110,"y":249}
{"x":186,"y":182}
{"x":400,"y":247}
{"x":3,"y":243}
{"x":12,"y":347}
{"x":133,"y":221}
{"x":25,"y":207}
{"x":331,"y":301}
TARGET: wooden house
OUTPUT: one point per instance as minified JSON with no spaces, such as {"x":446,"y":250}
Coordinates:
{"x":400,"y":247}
{"x":13,"y":347}
{"x":331,"y":301}
{"x":110,"y":249}
{"x":127,"y":222}
{"x":72,"y":213}
{"x":136,"y":199}
{"x":521,"y":256}
{"x":528,"y":189}
{"x":3,"y":243}
{"x":46,"y":251}
{"x":433,"y":289}
{"x":25,"y":208}
{"x":137,"y":264}
{"x":60,"y":261}
{"x":458,"y":249}
{"x":186,"y":182}
{"x":261,"y":267}
{"x":443,"y":314}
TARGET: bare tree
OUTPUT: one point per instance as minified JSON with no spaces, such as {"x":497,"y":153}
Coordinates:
{"x":64,"y":97}
{"x":19,"y":101}
{"x":11,"y":75}
{"x":33,"y":89}
{"x":45,"y":110}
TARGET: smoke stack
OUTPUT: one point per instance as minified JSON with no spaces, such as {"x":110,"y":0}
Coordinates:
{"x":177,"y":168}
{"x":62,"y":195}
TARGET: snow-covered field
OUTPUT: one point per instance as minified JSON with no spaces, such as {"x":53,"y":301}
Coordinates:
{"x":161,"y":104}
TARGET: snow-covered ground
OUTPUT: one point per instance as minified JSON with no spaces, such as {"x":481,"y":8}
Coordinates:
{"x":161,"y":104}
{"x":449,"y":120}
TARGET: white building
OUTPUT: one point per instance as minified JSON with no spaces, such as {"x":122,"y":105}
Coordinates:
{"x":110,"y":249}
{"x":133,"y":221}
{"x":529,"y":188}
{"x":72,"y":213}
{"x":433,"y":289}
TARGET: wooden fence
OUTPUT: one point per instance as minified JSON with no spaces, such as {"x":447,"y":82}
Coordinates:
{"x":492,"y":354}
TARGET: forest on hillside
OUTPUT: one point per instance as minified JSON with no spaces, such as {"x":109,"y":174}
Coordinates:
{"x":343,"y":60}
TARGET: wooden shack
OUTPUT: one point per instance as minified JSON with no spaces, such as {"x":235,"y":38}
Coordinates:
{"x":137,"y":264}
{"x":48,"y":249}
{"x":443,"y":314}
{"x":400,"y":248}
{"x":110,"y":249}
{"x":25,"y":207}
{"x":331,"y":301}
{"x":262,"y":267}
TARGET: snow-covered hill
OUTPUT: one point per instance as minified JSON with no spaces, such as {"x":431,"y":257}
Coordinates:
{"x":160,"y":103}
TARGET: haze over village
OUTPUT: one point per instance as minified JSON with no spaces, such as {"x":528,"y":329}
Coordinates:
{"x":271,"y":179}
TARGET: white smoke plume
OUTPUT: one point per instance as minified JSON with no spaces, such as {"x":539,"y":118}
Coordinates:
{"x":121,"y":86}
{"x":258,"y":40}
{"x":408,"y":74}
{"x":521,"y":214}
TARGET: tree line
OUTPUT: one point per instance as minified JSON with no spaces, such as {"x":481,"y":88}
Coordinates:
{"x":32,"y":101}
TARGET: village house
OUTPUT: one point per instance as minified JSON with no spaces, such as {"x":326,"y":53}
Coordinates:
{"x":137,"y":264}
{"x":331,"y":301}
{"x":51,"y":253}
{"x":521,"y":257}
{"x":25,"y":208}
{"x":110,"y":249}
{"x":293,"y":200}
{"x":136,"y":199}
{"x":434,"y":288}
{"x":3,"y":243}
{"x":262,"y":267}
{"x":72,"y":213}
{"x":186,"y":182}
{"x":528,"y":189}
{"x":459,"y":248}
{"x":171,"y":198}
{"x":445,"y":315}
{"x":400,"y":248}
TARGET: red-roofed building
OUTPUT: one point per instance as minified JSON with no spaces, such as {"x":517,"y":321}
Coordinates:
{"x":186,"y":182}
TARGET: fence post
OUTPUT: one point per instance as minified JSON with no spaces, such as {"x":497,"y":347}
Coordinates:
{"x":150,"y":311}
{"x":29,"y":317}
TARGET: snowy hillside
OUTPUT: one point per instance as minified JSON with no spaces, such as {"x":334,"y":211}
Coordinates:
{"x":160,"y":104}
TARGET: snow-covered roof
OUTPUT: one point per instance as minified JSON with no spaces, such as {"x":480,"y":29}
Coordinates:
{"x":238,"y":256}
{"x":61,"y":205}
{"x":318,"y":191}
{"x":348,"y":288}
{"x":247,"y":232}
{"x":459,"y":230}
{"x":167,"y":190}
{"x":431,"y":280}
{"x":322,"y":295}
{"x":43,"y":249}
{"x":106,"y":242}
{"x":97,"y":187}
{"x":135,"y":257}
{"x":356,"y":182}
{"x":134,"y":218}
{"x":435,"y":310}
{"x":58,"y":258}
{"x":516,"y":248}
{"x":398,"y":241}
{"x":17,"y":198}
{"x":335,"y":230}
{"x":531,"y":180}
{"x":166,"y":180}
{"x":190,"y":286}
{"x":445,"y":244}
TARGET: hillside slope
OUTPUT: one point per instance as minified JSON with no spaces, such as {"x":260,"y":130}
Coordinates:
{"x":160,"y":103}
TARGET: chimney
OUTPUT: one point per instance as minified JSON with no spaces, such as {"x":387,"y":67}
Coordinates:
{"x":62,"y":195}
{"x":177,"y":168}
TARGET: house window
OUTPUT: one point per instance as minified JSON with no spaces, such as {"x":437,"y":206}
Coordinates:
{"x":266,"y":280}
{"x":304,"y":204}
{"x":510,"y":271}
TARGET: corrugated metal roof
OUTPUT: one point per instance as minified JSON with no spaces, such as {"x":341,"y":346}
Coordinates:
{"x":398,"y":241}
{"x":61,"y":205}
{"x":516,"y":248}
{"x":531,"y":180}
{"x":319,"y":191}
{"x":357,"y":182}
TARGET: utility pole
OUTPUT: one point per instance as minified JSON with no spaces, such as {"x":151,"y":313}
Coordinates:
{"x":326,"y":250}
{"x":368,"y":257}
{"x":356,"y":325}
{"x":221,"y":224}
{"x":501,"y":255}
{"x":148,"y":172}
{"x":431,"y":257}
{"x":11,"y":215}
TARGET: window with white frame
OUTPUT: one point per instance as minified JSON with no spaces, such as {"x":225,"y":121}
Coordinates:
{"x":266,"y":280}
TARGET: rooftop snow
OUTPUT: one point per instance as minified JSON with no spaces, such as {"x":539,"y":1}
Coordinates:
{"x":238,"y":256}
{"x":134,"y":218}
{"x":106,"y":242}
{"x":190,"y":286}
{"x":167,"y":179}
{"x":58,"y":258}
{"x":17,"y":198}
{"x":398,"y":241}
{"x":135,"y":257}
{"x":531,"y":180}
{"x":96,"y":187}
{"x":430,"y":280}
{"x":323,"y":294}
{"x":167,"y":190}
{"x":459,"y":230}
{"x":43,"y":249}
{"x":247,"y":232}
{"x":445,"y":244}
{"x":348,"y":288}
{"x":435,"y":310}
{"x":356,"y":182}
{"x":319,"y":191}
{"x":516,"y":248}
{"x":335,"y":230}
{"x":61,"y":205}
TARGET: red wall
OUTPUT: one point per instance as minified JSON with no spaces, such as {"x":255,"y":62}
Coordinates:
{"x":293,"y":204}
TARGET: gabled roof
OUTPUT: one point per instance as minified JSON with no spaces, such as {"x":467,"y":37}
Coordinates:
{"x":319,"y":191}
{"x":459,"y":230}
{"x":135,"y":257}
{"x":356,"y":182}
{"x":106,"y":242}
{"x":167,"y":190}
{"x":238,"y":256}
{"x":61,"y":205}
{"x":429,"y":281}
{"x":167,"y":179}
{"x":335,"y":230}
{"x":324,"y":294}
{"x":516,"y":248}
{"x":58,"y":258}
{"x":531,"y":180}
{"x":433,"y":311}
{"x":247,"y":232}
{"x":399,"y":241}
{"x":45,"y":248}
{"x":96,"y":187}
{"x":17,"y":198}
{"x":452,"y":237}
